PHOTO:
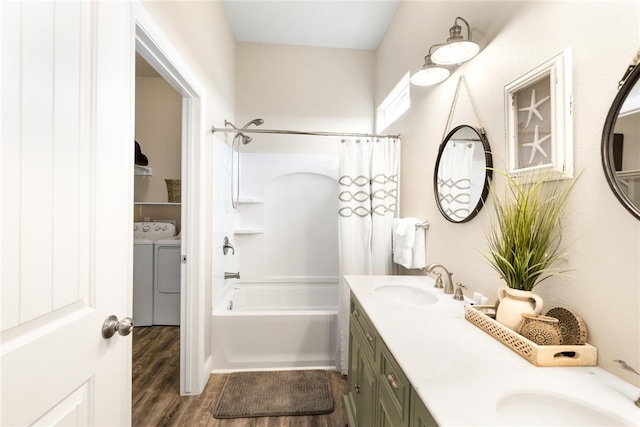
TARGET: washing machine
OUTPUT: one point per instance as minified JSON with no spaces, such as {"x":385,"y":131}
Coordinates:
{"x":150,"y":266}
{"x":142,"y":281}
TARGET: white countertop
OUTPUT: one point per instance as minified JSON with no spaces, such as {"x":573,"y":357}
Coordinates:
{"x":461,"y":373}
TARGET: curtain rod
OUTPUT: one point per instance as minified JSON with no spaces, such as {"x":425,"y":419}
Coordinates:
{"x":296,"y":132}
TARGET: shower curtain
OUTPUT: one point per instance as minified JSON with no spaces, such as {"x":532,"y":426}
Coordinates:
{"x":368,"y":200}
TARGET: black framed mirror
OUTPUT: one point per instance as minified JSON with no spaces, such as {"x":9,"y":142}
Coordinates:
{"x":462,"y":173}
{"x":621,"y":143}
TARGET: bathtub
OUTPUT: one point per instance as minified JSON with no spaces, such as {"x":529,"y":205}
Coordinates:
{"x":276,"y":325}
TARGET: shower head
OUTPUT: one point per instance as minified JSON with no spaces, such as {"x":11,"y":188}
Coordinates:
{"x":247,"y":139}
{"x":256,"y":122}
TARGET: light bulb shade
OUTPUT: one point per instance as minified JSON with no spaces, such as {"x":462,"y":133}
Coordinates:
{"x":455,"y":52}
{"x":429,"y":75}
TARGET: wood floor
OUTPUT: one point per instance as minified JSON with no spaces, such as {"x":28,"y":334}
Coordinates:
{"x":156,"y":390}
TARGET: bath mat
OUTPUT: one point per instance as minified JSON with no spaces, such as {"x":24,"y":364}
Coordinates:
{"x":275,"y":393}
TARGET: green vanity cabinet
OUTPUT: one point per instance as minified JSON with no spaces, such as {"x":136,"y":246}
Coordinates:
{"x":361,"y":380}
{"x":378,"y":392}
{"x":420,"y":416}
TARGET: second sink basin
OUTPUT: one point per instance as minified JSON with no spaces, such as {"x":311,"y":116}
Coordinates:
{"x":542,"y":409}
{"x":406,"y":294}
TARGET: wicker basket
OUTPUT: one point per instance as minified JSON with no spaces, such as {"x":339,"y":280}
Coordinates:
{"x":539,"y":355}
{"x":173,"y":190}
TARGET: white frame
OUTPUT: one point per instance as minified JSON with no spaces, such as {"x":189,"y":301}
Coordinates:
{"x":396,"y":103}
{"x":558,"y":70}
{"x":157,"y":50}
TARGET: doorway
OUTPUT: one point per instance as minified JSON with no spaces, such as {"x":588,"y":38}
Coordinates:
{"x":157,"y":226}
{"x":154,"y":48}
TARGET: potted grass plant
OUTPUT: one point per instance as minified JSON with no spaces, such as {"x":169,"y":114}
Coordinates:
{"x":524,"y":241}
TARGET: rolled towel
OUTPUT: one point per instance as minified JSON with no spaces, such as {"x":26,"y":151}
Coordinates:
{"x":418,"y":253}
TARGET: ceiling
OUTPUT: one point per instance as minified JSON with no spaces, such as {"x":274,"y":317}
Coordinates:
{"x":346,"y":24}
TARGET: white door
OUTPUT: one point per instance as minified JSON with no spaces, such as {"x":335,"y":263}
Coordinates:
{"x":66,"y":194}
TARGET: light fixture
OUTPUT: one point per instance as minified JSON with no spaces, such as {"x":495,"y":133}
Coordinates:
{"x":430,"y":73}
{"x":456,"y":50}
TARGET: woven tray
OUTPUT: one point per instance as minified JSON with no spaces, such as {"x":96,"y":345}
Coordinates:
{"x":539,"y":355}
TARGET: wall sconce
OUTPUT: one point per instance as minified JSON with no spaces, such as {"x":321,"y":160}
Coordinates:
{"x":456,"y":50}
{"x":430,"y":73}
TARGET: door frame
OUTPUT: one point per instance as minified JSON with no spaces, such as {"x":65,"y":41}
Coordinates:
{"x":156,"y":49}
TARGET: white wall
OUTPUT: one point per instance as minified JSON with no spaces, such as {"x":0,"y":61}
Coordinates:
{"x":158,"y":131}
{"x":158,"y":126}
{"x":303,"y":88}
{"x":515,"y":37}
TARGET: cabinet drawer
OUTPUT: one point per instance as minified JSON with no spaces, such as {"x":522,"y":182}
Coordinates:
{"x":362,"y":322}
{"x":394,"y":384}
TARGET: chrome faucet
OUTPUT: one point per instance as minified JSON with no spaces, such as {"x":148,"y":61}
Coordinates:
{"x":624,"y":365}
{"x":228,"y":275}
{"x":448,"y":287}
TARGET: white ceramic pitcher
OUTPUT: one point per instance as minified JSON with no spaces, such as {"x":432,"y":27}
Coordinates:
{"x":513,"y":303}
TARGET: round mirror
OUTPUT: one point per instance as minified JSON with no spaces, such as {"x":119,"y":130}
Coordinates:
{"x":461,"y":178}
{"x":621,"y":143}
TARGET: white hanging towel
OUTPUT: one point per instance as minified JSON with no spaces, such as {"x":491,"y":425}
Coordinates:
{"x":419,"y":252}
{"x":408,"y":242}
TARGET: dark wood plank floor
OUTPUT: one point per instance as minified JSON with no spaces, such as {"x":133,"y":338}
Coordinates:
{"x":156,"y":390}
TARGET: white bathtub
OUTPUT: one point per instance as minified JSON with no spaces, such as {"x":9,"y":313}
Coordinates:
{"x":276,"y":325}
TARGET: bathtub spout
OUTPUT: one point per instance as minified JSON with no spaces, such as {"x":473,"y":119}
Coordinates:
{"x":228,"y":275}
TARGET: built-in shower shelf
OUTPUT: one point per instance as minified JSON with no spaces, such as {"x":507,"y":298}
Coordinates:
{"x":248,"y":231}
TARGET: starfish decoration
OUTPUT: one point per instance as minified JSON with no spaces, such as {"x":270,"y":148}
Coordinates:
{"x":536,"y":144}
{"x":533,"y":107}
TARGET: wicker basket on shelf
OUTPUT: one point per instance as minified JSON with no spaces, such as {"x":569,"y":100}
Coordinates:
{"x":173,"y":190}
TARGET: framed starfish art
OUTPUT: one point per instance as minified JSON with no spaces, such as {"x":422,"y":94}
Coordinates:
{"x":538,"y":107}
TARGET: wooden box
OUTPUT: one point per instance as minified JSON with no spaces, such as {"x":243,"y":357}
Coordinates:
{"x":539,"y":355}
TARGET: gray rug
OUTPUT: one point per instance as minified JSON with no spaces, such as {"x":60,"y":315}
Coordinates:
{"x":275,"y":393}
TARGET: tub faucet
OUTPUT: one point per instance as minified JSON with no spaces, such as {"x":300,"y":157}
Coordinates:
{"x":448,"y":287}
{"x":228,"y":275}
{"x":624,"y":365}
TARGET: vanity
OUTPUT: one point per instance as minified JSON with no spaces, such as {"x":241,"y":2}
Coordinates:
{"x":414,"y":360}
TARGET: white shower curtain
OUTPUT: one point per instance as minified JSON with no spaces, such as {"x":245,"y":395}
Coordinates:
{"x":368,"y":199}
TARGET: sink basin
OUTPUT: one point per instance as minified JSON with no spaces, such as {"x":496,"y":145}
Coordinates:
{"x":407,"y":295}
{"x":542,"y":409}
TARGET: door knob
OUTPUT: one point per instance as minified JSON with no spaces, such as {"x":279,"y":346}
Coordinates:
{"x":111,"y":326}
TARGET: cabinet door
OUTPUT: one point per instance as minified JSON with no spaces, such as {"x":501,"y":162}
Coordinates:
{"x":387,"y":414}
{"x":353,"y":379}
{"x":420,"y":416}
{"x":361,"y":383}
{"x":367,"y":395}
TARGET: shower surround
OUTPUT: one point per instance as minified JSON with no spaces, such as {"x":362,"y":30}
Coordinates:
{"x":282,"y":312}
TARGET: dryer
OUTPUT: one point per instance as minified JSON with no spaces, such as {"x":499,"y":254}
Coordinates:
{"x":166,"y":292}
